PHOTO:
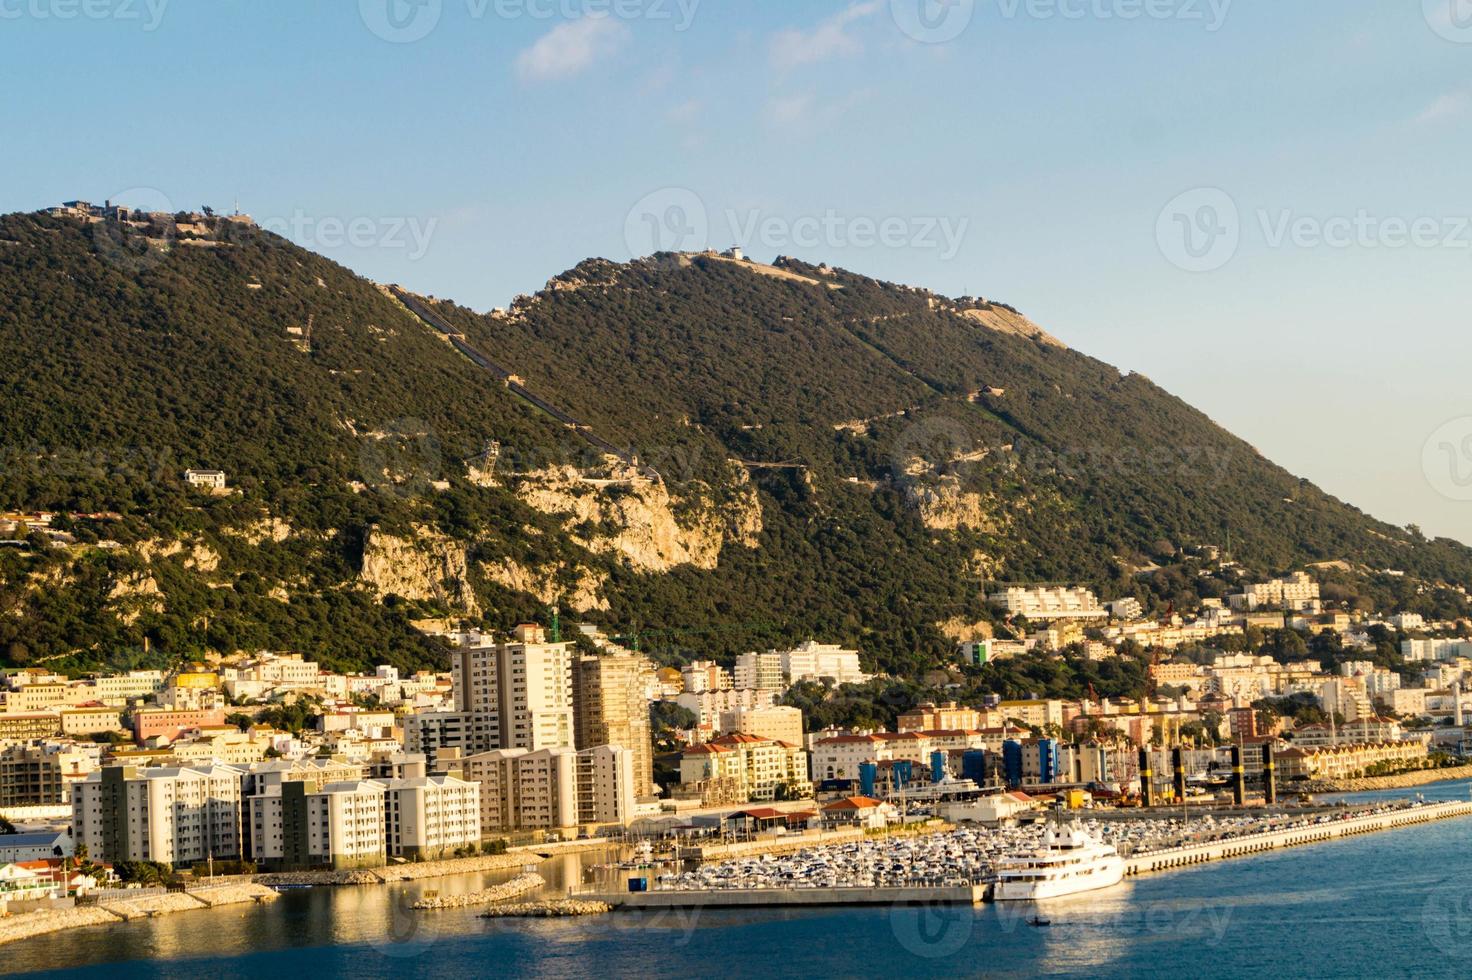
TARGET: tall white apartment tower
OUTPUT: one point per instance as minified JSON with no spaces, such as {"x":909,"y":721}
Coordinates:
{"x":534,"y":680}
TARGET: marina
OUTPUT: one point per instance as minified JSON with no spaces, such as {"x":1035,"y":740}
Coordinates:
{"x":963,"y":866}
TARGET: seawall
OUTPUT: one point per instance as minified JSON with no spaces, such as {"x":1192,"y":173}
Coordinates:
{"x":1334,"y":829}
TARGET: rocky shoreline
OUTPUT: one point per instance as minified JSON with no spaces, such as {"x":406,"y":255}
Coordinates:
{"x":403,"y":872}
{"x":561,"y":908}
{"x":519,"y":885}
{"x":1404,"y":780}
{"x":29,"y":924}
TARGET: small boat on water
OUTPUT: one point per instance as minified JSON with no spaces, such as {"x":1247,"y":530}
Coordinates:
{"x":1039,"y":923}
{"x":1069,"y":862}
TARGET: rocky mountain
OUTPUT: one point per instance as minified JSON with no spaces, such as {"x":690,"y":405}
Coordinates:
{"x":717,"y":454}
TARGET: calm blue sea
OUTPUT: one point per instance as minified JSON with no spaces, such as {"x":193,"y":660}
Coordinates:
{"x":1394,"y":904}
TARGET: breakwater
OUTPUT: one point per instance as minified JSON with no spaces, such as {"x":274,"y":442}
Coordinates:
{"x":1328,"y":827}
{"x":405,"y":872}
{"x":1403,"y":780}
{"x":561,"y":908}
{"x":519,"y":885}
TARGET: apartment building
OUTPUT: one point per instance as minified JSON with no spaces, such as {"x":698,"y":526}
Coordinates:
{"x":813,"y":661}
{"x":43,"y":773}
{"x":517,"y":694}
{"x":612,"y":708}
{"x":552,"y":789}
{"x":1049,"y":603}
{"x":757,"y":769}
{"x":296,"y":825}
{"x":429,"y":817}
{"x":174,"y":815}
{"x":760,"y":671}
{"x":708,"y":705}
{"x":775,"y":722}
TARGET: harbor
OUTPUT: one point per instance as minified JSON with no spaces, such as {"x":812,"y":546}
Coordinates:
{"x":958,"y":867}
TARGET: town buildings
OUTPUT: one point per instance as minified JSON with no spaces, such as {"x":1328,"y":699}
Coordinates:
{"x":1049,"y":603}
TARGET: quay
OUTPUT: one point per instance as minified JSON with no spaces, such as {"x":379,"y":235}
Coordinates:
{"x":719,"y":898}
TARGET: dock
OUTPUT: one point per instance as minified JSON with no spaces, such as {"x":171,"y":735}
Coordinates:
{"x":736,"y":898}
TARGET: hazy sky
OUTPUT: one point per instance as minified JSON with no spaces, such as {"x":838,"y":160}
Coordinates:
{"x":1265,"y":206}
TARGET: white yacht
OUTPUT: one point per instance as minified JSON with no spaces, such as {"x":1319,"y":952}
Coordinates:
{"x":1070,"y":861}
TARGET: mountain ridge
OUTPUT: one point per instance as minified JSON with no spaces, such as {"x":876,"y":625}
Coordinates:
{"x":853,"y":462}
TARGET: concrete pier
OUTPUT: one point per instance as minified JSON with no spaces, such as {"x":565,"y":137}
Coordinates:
{"x":720,"y":898}
{"x":1334,"y":829}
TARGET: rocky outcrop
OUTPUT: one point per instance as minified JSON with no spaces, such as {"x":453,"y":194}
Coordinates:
{"x":944,"y":506}
{"x":547,"y":910}
{"x":430,"y":567}
{"x":639,"y":520}
{"x":961,"y":631}
{"x":547,"y":584}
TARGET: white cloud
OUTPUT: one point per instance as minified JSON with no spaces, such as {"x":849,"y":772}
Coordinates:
{"x":686,"y":112}
{"x":788,"y":110}
{"x":571,"y":48}
{"x":1447,"y":106}
{"x":830,"y":39}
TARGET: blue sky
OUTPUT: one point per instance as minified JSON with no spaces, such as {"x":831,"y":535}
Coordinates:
{"x":1262,"y":205}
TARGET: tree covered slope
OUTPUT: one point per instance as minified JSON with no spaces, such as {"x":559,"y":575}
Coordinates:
{"x":820,"y":454}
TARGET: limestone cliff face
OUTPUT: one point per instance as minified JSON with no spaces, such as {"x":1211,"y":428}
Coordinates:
{"x":944,"y":506}
{"x":427,"y":568}
{"x":584,"y":596}
{"x":960,"y":630}
{"x":639,"y":520}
